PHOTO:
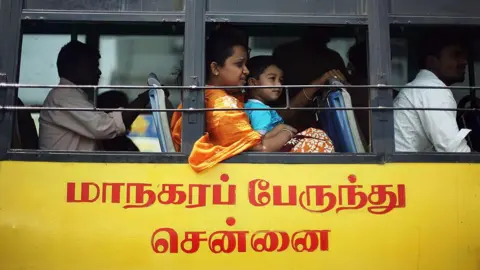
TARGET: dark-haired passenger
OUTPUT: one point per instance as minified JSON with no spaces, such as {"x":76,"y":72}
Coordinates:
{"x":78,"y":64}
{"x":443,"y":63}
{"x":264,"y":72}
{"x":358,"y":67}
{"x":307,"y":61}
{"x":228,"y":132}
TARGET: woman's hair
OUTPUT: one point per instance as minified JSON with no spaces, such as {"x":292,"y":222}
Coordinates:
{"x":257,"y":65}
{"x":220,"y":43}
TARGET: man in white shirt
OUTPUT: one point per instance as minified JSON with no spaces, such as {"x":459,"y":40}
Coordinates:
{"x":443,"y":63}
{"x":78,"y":64}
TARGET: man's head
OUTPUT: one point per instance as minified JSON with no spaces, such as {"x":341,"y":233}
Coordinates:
{"x":357,"y":58}
{"x":444,"y":53}
{"x":79,"y":63}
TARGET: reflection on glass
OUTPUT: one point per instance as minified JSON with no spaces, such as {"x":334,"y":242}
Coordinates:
{"x":108,"y":5}
{"x":289,"y":6}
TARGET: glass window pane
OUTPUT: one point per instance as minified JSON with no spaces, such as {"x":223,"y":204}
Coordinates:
{"x":128,"y":60}
{"x":107,"y":5}
{"x":289,"y":6}
{"x":38,"y":64}
{"x":435,"y":7}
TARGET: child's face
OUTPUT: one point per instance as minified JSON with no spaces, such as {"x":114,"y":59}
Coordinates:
{"x":271,"y":76}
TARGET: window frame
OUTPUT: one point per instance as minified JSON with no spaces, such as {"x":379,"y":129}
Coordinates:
{"x":195,"y":18}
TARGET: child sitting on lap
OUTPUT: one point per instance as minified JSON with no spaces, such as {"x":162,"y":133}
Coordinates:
{"x":264,"y":72}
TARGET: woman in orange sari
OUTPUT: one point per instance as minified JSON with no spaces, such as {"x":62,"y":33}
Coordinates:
{"x":229,"y":133}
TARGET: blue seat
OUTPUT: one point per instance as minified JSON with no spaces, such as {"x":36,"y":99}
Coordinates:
{"x":341,"y":125}
{"x":160,"y":119}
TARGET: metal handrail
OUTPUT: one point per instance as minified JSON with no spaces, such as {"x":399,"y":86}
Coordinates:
{"x":194,"y":87}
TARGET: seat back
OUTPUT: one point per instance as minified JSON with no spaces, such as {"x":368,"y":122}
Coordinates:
{"x":25,"y":131}
{"x":160,"y":119}
{"x":341,"y":125}
{"x":470,"y":120}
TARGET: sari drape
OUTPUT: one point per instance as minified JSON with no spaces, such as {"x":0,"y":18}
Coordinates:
{"x":228,"y":133}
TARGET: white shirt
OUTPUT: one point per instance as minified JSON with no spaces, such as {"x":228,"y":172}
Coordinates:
{"x":75,"y":130}
{"x":425,"y":131}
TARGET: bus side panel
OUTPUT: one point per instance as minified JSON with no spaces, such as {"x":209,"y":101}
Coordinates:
{"x":239,"y":216}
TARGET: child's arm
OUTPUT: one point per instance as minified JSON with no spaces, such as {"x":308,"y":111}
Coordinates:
{"x":278,"y":129}
{"x":274,"y":142}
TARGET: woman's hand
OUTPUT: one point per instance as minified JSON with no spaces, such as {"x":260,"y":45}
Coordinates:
{"x":307,"y":95}
{"x":332,"y":74}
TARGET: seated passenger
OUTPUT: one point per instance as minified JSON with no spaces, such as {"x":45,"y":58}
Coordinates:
{"x":78,"y":64}
{"x":443,"y":63}
{"x":264,"y":72}
{"x":112,"y":100}
{"x":229,"y":133}
{"x":358,"y":66}
{"x":307,"y":61}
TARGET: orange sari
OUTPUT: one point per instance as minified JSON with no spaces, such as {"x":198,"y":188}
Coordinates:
{"x":228,"y":132}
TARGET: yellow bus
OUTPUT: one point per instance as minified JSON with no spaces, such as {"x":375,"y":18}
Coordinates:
{"x":372,"y":209}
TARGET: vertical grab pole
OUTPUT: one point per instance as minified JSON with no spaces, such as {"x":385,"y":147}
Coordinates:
{"x":193,"y":75}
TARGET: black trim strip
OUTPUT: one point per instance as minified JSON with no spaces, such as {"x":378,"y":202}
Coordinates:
{"x":244,"y":158}
{"x":434,"y":158}
{"x":433,"y":20}
{"x":286,"y":18}
{"x":96,"y":157}
{"x":299,"y":158}
{"x":86,"y":16}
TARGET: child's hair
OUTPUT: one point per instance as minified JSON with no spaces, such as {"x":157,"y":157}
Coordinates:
{"x":220,"y":43}
{"x":257,"y":65}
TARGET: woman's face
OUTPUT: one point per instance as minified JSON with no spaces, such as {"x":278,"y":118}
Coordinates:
{"x":234,"y":71}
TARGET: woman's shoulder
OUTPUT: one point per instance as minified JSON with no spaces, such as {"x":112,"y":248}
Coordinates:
{"x":218,"y":98}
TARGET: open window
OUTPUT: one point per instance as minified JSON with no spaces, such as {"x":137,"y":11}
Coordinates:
{"x":129,"y":53}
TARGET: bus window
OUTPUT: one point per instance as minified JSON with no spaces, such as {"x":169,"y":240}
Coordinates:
{"x":438,"y":7}
{"x":301,"y":68}
{"x":399,"y":51}
{"x":115,"y":5}
{"x":476,"y":58}
{"x":31,"y":60}
{"x":125,"y":60}
{"x":286,"y":7}
{"x":430,"y":130}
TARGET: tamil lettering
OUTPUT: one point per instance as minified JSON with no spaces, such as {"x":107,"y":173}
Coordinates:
{"x":167,"y":240}
{"x":142,"y":195}
{"x":376,"y":199}
{"x":314,"y":198}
